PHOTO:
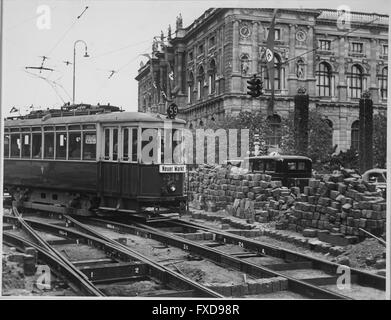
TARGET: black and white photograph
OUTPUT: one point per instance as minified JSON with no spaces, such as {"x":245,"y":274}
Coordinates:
{"x":194,"y":150}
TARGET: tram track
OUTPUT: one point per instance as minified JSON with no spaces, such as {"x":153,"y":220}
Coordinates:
{"x":50,"y":254}
{"x":128,"y":264}
{"x":285,"y":263}
{"x":298,"y":286}
{"x":255,"y":259}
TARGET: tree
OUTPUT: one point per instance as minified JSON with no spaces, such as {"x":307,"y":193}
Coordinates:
{"x":380,"y":140}
{"x":320,"y":133}
{"x":256,"y":123}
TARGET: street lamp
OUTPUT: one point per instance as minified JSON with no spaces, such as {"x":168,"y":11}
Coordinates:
{"x":74,"y":62}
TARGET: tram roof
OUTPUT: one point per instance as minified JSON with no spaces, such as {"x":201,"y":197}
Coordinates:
{"x":116,"y":117}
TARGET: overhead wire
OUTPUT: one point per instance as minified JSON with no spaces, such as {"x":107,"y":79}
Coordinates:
{"x":52,"y":84}
{"x":119,"y":49}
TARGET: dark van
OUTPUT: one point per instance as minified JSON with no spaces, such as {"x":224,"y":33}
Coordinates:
{"x":290,"y":170}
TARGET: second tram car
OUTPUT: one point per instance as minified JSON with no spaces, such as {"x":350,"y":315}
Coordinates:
{"x":74,"y":161}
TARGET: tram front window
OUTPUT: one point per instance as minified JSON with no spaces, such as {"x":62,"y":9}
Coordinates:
{"x":75,"y":145}
{"x":89,"y":145}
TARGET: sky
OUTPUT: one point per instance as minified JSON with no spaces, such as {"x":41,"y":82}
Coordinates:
{"x":116,"y":33}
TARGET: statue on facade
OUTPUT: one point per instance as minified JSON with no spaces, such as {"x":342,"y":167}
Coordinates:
{"x":301,"y":90}
{"x":245,"y":66}
{"x":154,"y":46}
{"x":179,"y":22}
{"x":169,"y":32}
{"x":161,"y":35}
{"x":300,"y":69}
{"x":245,"y":63}
{"x":366,"y":94}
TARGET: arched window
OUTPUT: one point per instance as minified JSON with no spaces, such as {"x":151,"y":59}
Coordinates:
{"x":355,"y":135}
{"x":323,"y":79}
{"x":278,"y":74}
{"x":356,"y":81}
{"x":200,"y":83}
{"x":274,"y":138}
{"x":383,"y":82}
{"x":190,"y":88}
{"x":212,"y":77}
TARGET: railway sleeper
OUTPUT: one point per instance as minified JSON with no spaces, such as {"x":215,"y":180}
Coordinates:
{"x":110,"y":272}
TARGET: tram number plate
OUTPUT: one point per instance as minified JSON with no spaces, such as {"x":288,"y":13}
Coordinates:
{"x":173,"y":168}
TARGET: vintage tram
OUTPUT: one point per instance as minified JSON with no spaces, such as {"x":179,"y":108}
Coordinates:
{"x":86,"y":159}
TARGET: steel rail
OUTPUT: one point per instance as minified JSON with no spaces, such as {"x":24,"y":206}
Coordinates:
{"x":363,"y":278}
{"x":221,"y":257}
{"x":115,"y":249}
{"x":43,"y":243}
{"x":52,"y":260}
{"x":170,"y":274}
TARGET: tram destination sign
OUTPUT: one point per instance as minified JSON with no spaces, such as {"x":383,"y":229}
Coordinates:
{"x":172,"y":168}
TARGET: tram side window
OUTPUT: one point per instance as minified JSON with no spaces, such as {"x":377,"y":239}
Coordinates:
{"x":6,"y":146}
{"x":164,"y":135}
{"x":134,"y":144}
{"x":48,"y":146}
{"x":115,"y":144}
{"x":149,"y":145}
{"x":61,"y":145}
{"x":107,"y":144}
{"x":125,"y":140}
{"x":26,"y":145}
{"x":89,"y":145}
{"x":301,"y":165}
{"x":270,"y":165}
{"x":74,"y":145}
{"x":37,"y":145}
{"x":258,"y":166}
{"x":15,"y":145}
{"x":177,"y":139}
{"x":296,"y":166}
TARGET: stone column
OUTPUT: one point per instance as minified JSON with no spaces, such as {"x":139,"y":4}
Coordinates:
{"x":235,"y":47}
{"x":162,"y":88}
{"x":310,"y":63}
{"x":254,"y":48}
{"x":343,"y":134}
{"x":180,"y":72}
{"x":373,"y":84}
{"x":365,"y":149}
{"x":341,"y":85}
{"x":292,"y":81}
{"x":301,"y":100}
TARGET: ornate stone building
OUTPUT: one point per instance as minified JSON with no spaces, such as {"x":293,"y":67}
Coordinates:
{"x":204,"y":67}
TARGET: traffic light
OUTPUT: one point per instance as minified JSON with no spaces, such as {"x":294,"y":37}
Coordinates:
{"x":254,"y":86}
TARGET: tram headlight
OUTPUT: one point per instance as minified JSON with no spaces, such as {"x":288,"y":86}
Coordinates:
{"x":171,"y":187}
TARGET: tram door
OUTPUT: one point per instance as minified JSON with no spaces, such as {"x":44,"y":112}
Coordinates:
{"x":110,"y":170}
